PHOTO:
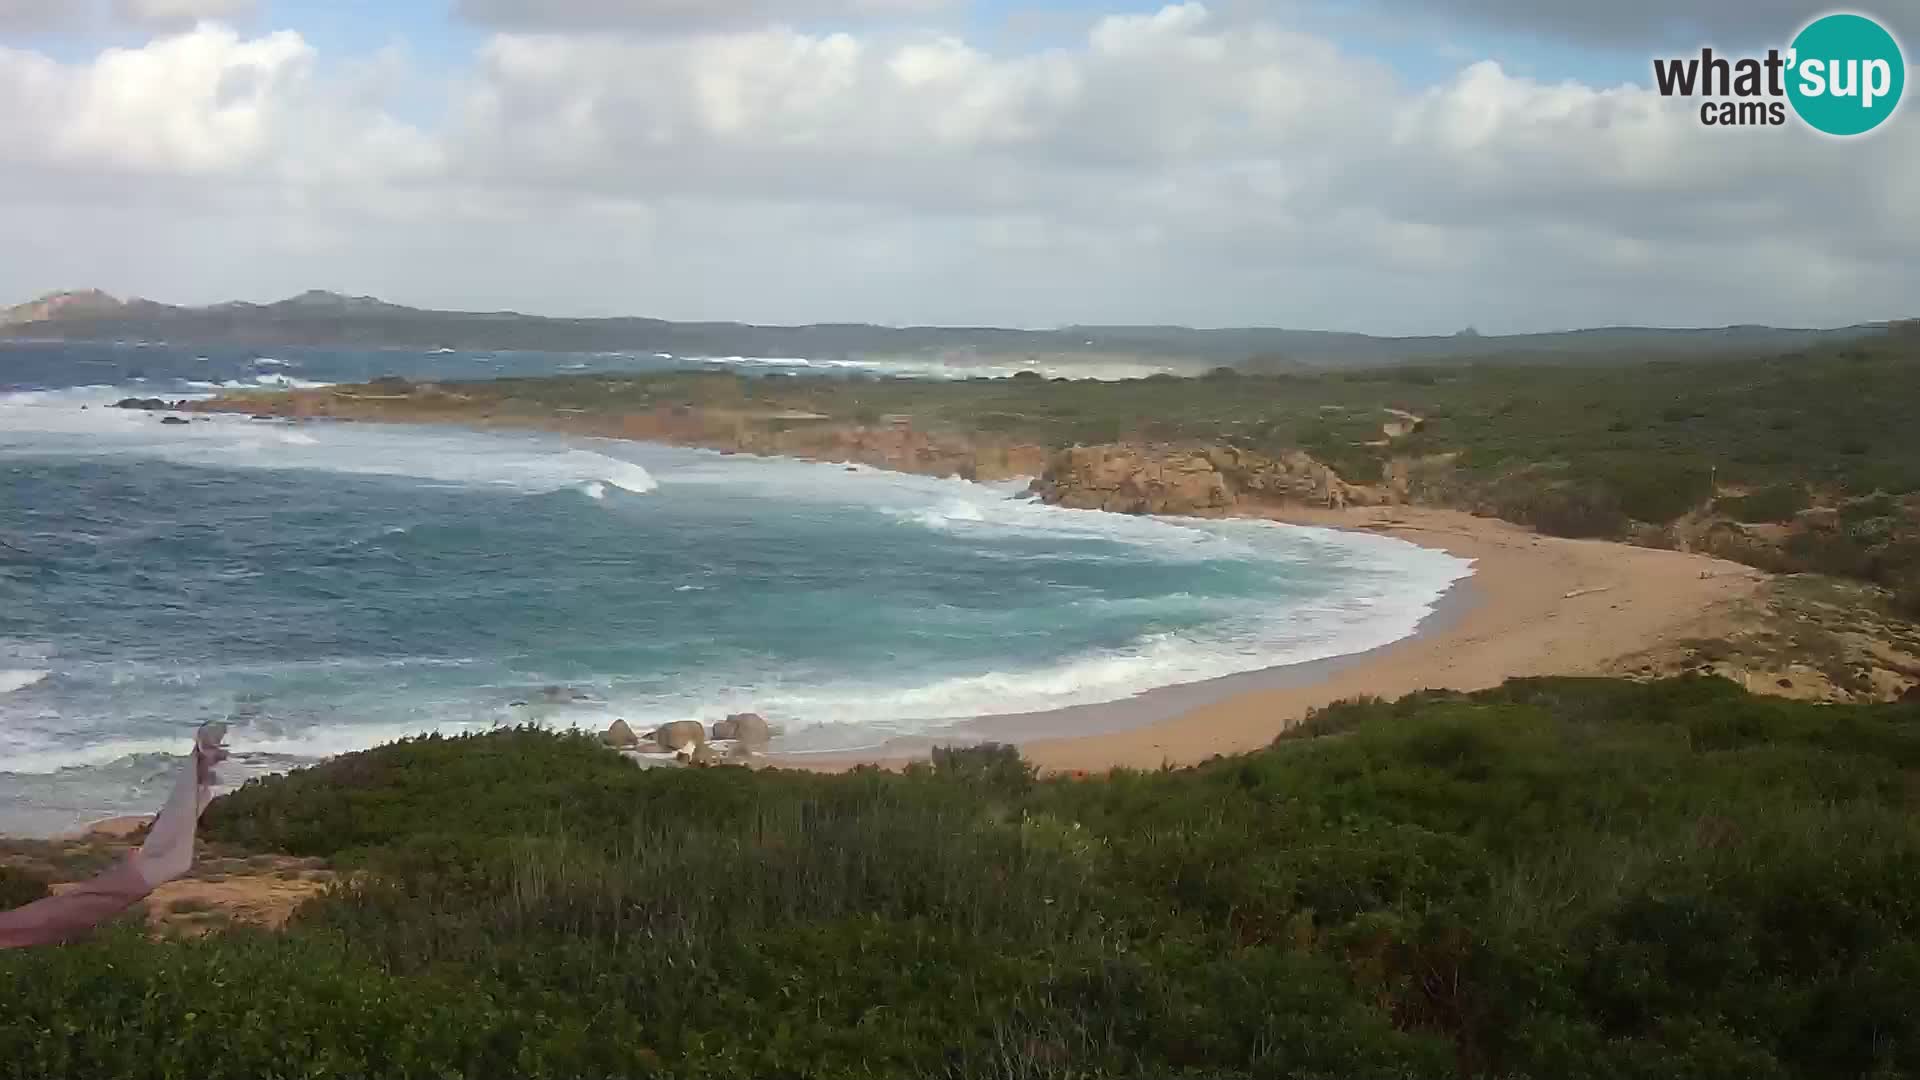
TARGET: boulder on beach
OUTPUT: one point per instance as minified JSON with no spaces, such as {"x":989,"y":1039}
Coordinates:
{"x":149,"y":404}
{"x":681,"y":734}
{"x":748,"y":729}
{"x":174,"y":420}
{"x":620,"y":734}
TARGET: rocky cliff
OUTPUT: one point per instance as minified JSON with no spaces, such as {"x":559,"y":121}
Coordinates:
{"x":1133,"y":479}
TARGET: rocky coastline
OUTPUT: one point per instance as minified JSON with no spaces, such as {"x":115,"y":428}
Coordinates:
{"x":1118,"y":477}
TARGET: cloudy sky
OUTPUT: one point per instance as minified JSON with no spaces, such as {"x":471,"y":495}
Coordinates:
{"x":1388,"y":166}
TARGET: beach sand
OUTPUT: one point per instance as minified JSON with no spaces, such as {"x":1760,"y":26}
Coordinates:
{"x":1536,"y":605}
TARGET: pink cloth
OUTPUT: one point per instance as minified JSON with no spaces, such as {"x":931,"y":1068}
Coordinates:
{"x":166,"y":854}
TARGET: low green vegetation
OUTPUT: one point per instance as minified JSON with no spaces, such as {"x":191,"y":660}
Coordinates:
{"x":1777,"y":504}
{"x":18,"y":887}
{"x":1556,"y":879}
{"x":1624,"y":450}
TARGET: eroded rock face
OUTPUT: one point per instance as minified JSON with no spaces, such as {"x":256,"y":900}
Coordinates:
{"x":748,"y":729}
{"x":681,"y":735}
{"x":1131,"y":479}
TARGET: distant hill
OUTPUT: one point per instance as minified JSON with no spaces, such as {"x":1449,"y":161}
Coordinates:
{"x":320,"y":318}
{"x":64,"y":306}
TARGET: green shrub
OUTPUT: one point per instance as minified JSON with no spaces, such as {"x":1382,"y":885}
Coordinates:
{"x":1572,"y":511}
{"x":1560,"y":877}
{"x":1653,"y":491}
{"x":1877,"y":505}
{"x":18,"y":887}
{"x":991,"y":766}
{"x":1778,"y":503}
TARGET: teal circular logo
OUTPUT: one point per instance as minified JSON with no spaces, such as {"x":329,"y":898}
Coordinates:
{"x":1845,"y":74}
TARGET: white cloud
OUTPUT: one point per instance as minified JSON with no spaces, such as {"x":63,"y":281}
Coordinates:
{"x":70,"y":15}
{"x":1179,"y":165}
{"x":682,"y":14}
{"x":17,"y":15}
{"x":166,"y":12}
{"x":1648,"y":23}
{"x":207,"y":115}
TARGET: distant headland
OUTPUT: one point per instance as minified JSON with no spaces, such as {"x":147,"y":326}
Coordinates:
{"x":327,"y":319}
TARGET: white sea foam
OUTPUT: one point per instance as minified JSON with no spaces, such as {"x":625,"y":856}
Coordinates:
{"x":284,"y":382}
{"x":754,"y":361}
{"x":51,"y":423}
{"x":982,"y":511}
{"x":627,"y":476}
{"x":947,"y":515}
{"x":310,"y":744}
{"x":288,"y":381}
{"x":1248,"y":636}
{"x":41,"y":762}
{"x":12,"y":679}
{"x":924,"y":368}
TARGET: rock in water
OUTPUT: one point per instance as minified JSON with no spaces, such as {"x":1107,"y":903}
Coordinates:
{"x":148,"y":404}
{"x":681,"y":734}
{"x":174,"y":420}
{"x":620,"y":735}
{"x":748,"y":729}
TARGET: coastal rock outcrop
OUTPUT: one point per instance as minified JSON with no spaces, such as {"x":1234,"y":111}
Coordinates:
{"x":748,"y":729}
{"x":620,"y":734}
{"x":1132,"y":479}
{"x":681,"y":735}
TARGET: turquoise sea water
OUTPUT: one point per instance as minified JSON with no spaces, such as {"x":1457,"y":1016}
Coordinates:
{"x":331,"y":586}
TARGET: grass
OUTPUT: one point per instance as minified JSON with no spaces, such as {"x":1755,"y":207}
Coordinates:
{"x":1559,"y":878}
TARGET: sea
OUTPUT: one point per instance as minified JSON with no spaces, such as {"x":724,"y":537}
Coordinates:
{"x":327,"y":586}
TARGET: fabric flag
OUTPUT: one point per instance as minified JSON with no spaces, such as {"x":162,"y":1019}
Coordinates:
{"x":166,"y":854}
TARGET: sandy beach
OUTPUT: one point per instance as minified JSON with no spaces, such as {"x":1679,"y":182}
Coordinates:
{"x":1536,"y":605}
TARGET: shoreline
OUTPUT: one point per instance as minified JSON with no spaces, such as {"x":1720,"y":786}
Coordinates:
{"x":1535,"y":605}
{"x":1157,"y":705}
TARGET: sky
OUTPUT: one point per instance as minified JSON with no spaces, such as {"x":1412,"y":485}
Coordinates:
{"x":1382,"y":166}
